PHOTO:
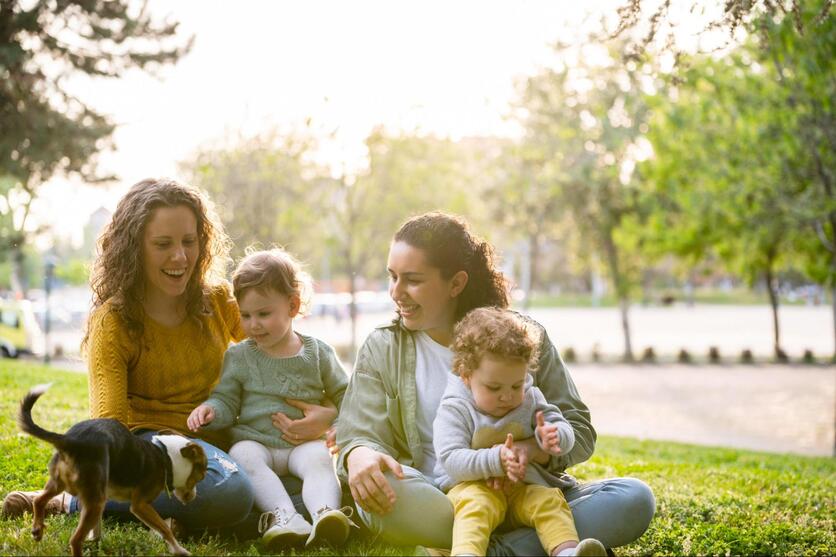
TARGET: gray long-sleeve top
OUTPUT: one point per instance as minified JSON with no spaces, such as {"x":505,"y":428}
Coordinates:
{"x":467,"y":440}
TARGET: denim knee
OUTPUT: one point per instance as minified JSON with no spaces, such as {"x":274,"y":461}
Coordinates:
{"x":640,"y":504}
{"x":225,"y":496}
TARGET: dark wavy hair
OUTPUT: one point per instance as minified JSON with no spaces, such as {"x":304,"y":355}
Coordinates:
{"x":118,"y":274}
{"x":451,"y":247}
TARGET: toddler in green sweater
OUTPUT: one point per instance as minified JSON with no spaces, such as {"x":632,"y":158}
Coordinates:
{"x":278,"y":370}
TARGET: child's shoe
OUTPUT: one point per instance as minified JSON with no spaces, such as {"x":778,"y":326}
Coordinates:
{"x":590,"y":547}
{"x":331,"y":526}
{"x":280,"y":528}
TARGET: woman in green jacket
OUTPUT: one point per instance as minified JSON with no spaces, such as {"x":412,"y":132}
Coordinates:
{"x":438,"y":272}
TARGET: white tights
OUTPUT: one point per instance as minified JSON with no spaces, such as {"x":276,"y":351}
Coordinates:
{"x":310,"y":462}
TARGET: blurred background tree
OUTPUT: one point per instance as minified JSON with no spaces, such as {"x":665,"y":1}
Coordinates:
{"x":744,"y":156}
{"x":47,"y":130}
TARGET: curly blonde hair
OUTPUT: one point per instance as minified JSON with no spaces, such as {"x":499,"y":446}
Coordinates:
{"x":118,"y":274}
{"x":273,"y":269}
{"x":495,"y":331}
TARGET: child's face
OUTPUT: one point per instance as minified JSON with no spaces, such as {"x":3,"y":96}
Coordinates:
{"x":497,"y":384}
{"x":266,"y":317}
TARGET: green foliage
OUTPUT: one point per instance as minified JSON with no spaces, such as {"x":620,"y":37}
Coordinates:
{"x":408,"y":174}
{"x":584,"y":123}
{"x":709,"y":501}
{"x":46,"y":129}
{"x":263,"y":192}
{"x":74,"y":271}
{"x":744,"y":155}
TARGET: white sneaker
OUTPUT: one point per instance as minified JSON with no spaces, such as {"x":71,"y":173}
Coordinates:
{"x":590,"y":547}
{"x":280,"y":528}
{"x":331,"y":526}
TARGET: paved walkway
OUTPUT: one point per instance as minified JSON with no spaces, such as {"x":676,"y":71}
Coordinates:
{"x":782,"y":409}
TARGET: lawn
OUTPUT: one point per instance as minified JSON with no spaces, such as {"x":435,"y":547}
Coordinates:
{"x":709,"y":501}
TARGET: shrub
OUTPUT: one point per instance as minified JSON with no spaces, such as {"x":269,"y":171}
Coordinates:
{"x":808,"y":357}
{"x":569,"y":355}
{"x":649,"y":355}
{"x":683,"y":357}
{"x":714,"y":355}
{"x":746,"y":357}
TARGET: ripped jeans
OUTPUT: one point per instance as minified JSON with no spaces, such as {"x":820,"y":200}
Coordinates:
{"x":224,"y":496}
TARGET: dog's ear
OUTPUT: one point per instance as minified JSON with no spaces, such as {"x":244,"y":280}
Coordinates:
{"x":193,"y":452}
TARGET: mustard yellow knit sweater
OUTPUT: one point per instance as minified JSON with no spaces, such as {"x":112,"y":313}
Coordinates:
{"x":156,"y":382}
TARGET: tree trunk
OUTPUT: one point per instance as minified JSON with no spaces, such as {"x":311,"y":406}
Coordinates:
{"x":17,"y":279}
{"x":533,"y":253}
{"x":624,"y":306}
{"x":773,"y":301}
{"x":621,"y":292}
{"x":352,"y":310}
{"x":833,"y":305}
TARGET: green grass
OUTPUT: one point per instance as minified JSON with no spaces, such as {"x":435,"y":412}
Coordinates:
{"x":709,"y":501}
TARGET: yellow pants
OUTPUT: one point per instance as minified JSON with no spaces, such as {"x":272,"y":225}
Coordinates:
{"x":479,"y":510}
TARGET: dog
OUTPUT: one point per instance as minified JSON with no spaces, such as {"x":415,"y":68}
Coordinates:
{"x":100,"y":459}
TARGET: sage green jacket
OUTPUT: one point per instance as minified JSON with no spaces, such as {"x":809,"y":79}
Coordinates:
{"x":380,"y":404}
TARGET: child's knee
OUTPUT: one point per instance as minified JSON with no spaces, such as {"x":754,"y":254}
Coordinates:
{"x":248,"y":454}
{"x":543,"y":500}
{"x":479,"y":497}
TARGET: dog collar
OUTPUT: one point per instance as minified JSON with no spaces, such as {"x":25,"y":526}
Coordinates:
{"x":169,"y":471}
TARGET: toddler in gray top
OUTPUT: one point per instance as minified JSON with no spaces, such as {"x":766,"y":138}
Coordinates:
{"x":490,"y":401}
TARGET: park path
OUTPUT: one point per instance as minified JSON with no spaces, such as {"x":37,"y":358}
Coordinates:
{"x":774,"y":408}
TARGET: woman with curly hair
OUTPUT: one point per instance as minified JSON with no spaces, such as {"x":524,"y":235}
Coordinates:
{"x":438,"y":272}
{"x":162,"y":318}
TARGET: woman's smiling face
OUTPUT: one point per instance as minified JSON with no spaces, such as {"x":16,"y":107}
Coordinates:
{"x":426,"y":301}
{"x":170,"y":249}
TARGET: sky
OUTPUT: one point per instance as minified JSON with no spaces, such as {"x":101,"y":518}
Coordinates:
{"x":447,"y":68}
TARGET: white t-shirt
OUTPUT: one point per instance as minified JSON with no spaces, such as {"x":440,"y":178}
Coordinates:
{"x":433,"y":364}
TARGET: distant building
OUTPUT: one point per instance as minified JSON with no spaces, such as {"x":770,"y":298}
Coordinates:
{"x":95,"y":224}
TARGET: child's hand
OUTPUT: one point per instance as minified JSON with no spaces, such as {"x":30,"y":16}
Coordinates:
{"x":200,"y":416}
{"x":548,"y":436}
{"x":502,"y":484}
{"x":509,"y":456}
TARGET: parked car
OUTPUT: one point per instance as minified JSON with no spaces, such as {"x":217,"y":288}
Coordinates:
{"x":19,"y":329}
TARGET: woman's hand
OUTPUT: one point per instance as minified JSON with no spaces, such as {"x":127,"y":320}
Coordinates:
{"x":369,"y":487}
{"x":549,"y":439}
{"x":200,"y":416}
{"x":316,"y":422}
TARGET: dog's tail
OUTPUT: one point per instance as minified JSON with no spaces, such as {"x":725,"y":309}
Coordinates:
{"x":24,"y":417}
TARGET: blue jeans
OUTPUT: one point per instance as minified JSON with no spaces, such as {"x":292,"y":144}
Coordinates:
{"x":224,"y":497}
{"x":615,"y":511}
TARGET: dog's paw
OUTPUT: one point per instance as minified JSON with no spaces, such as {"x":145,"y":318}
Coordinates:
{"x":37,"y":533}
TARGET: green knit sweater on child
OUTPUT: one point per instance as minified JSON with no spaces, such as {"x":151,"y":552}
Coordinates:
{"x":254,"y":386}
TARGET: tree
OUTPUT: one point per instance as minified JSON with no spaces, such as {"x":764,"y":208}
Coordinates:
{"x":583,"y":129}
{"x":646,"y":28}
{"x":743,"y":160}
{"x":265,"y":191}
{"x":46,"y":130}
{"x":408,"y":174}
